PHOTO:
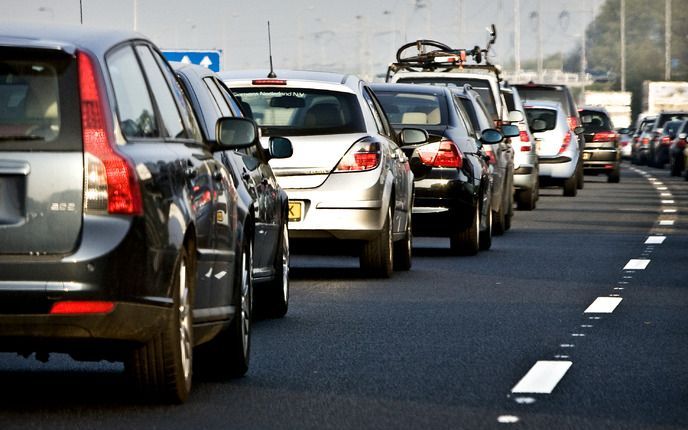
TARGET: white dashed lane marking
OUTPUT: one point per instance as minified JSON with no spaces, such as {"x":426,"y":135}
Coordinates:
{"x":603,"y":305}
{"x":666,"y":222}
{"x":655,"y":240}
{"x":637,"y":264}
{"x":542,"y":377}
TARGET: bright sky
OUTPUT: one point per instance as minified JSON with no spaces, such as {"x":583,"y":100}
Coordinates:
{"x":359,"y":36}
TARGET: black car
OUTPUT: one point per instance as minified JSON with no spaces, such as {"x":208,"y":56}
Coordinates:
{"x":267,"y":203}
{"x":602,"y":154}
{"x":451,"y":177}
{"x":120,"y":236}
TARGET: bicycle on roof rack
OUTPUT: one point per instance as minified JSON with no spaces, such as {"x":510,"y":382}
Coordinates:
{"x":425,"y":55}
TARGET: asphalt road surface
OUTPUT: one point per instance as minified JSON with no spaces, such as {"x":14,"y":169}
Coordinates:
{"x":577,"y":318}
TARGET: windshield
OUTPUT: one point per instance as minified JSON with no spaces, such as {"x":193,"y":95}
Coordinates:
{"x":413,"y":108}
{"x":302,"y":111}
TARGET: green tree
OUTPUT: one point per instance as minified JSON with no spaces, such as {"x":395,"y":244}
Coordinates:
{"x":644,"y":44}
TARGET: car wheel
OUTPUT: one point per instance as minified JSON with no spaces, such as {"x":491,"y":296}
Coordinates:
{"x":485,"y":238}
{"x":272,"y":300}
{"x":228,"y":354}
{"x":377,"y":255}
{"x":499,"y":217}
{"x":403,"y":249}
{"x":614,"y":177}
{"x":676,"y":167}
{"x":525,"y":200}
{"x":509,"y":207}
{"x":580,"y":177}
{"x":467,"y":242}
{"x":570,"y":187}
{"x":162,"y":368}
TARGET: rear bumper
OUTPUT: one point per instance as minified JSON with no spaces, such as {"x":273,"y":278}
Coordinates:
{"x":560,"y":167}
{"x":601,"y":160}
{"x":443,"y":206}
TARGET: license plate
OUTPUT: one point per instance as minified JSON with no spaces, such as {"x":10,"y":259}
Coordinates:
{"x":586,"y":156}
{"x":295,"y":210}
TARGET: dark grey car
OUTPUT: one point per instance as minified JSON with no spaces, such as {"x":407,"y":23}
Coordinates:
{"x":120,"y":234}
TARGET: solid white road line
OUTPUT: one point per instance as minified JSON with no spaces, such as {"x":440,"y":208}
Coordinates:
{"x":637,"y":264}
{"x":603,"y":305}
{"x":542,"y":377}
{"x":655,"y":240}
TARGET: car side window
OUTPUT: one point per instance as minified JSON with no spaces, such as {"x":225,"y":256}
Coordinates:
{"x":167,"y":106}
{"x":220,"y":101}
{"x":134,"y":105}
{"x":463,"y":116}
{"x":381,"y":121}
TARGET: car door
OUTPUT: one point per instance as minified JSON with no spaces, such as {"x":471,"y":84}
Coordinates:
{"x":252,"y":166}
{"x":401,"y":170}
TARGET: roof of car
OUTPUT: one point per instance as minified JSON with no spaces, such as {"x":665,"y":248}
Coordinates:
{"x":593,"y":108}
{"x":199,"y":71}
{"x":64,"y":37}
{"x":293,"y":75}
{"x":547,"y":104}
{"x":410,"y":88}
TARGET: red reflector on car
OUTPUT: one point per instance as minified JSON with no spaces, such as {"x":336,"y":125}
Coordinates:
{"x":82,"y":307}
{"x":525,"y":148}
{"x":269,"y":82}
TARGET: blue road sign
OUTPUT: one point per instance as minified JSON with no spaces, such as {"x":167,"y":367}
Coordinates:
{"x":207,"y":59}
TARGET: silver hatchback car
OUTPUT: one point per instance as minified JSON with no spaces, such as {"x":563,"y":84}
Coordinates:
{"x":347,"y":179}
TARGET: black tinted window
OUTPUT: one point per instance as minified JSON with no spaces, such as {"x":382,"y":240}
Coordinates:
{"x":171,"y":119}
{"x":39,"y":100}
{"x":134,"y":105}
{"x":220,"y":101}
{"x":549,"y":116}
{"x":594,"y":121}
{"x":302,"y":111}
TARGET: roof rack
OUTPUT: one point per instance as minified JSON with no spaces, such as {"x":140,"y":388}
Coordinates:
{"x":434,"y":56}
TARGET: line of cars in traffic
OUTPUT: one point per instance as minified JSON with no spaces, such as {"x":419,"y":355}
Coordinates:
{"x":149,"y":208}
{"x":660,"y":140}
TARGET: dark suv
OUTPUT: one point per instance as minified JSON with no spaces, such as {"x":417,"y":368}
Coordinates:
{"x":119,"y":232}
{"x":531,"y":93}
{"x":602,"y":154}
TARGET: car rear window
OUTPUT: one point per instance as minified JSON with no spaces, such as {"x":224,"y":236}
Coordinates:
{"x":666,"y":117}
{"x":549,"y":116}
{"x":302,"y":111}
{"x":594,"y":121}
{"x":413,"y":108}
{"x":482,"y":86}
{"x":39,"y":107}
{"x":554,"y":94}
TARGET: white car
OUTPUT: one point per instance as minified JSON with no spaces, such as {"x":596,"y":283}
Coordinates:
{"x":347,"y":179}
{"x":556,"y":144}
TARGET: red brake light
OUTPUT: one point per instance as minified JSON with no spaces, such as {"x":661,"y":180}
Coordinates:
{"x":109,"y":179}
{"x":444,"y":153}
{"x":363,"y":155}
{"x":525,"y":148}
{"x":269,"y":82}
{"x":524,"y":136}
{"x":565,"y":144}
{"x":604,"y":136}
{"x":82,"y":307}
{"x":666,"y":140}
{"x":645,"y":141}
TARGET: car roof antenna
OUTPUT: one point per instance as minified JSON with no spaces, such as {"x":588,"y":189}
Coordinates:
{"x":272,"y":70}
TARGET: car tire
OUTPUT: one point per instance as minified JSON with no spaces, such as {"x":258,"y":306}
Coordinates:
{"x":525,"y":200}
{"x":403,"y":249}
{"x":499,"y":217}
{"x":228,"y":354}
{"x":467,"y":242}
{"x":580,"y":177}
{"x":485,"y":237}
{"x":676,"y":167}
{"x":570,"y":186}
{"x":377,"y":254}
{"x":162,"y":368}
{"x":614,"y":177}
{"x":509,"y":207}
{"x":272,"y":299}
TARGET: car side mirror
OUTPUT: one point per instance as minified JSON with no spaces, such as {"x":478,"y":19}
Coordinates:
{"x":280,"y":147}
{"x":538,"y":126}
{"x":235,"y":133}
{"x":515,"y":116}
{"x":490,"y":136}
{"x":682,"y":136}
{"x":511,"y":130}
{"x":579,"y":129}
{"x":413,"y":136}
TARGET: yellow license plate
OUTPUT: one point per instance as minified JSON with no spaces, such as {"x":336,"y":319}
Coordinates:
{"x":295,"y":210}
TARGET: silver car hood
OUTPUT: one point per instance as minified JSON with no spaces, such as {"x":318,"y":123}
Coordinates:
{"x":313,"y":159}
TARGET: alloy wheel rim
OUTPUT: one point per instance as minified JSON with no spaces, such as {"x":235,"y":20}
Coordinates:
{"x":184,"y":321}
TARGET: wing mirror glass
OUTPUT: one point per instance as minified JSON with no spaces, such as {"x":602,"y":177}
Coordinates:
{"x":280,"y":147}
{"x":511,"y":130}
{"x":413,"y":136}
{"x":236,"y":133}
{"x":515,"y":116}
{"x":490,"y":136}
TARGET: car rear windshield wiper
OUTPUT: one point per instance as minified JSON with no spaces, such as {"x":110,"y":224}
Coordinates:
{"x":21,"y":137}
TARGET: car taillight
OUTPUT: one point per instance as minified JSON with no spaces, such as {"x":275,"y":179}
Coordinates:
{"x":269,"y":82}
{"x":524,"y":136}
{"x":572,"y":122}
{"x":526,"y":148}
{"x":666,"y":140}
{"x":363,"y":155}
{"x":566,"y":143}
{"x":604,"y":136}
{"x":81,"y":307}
{"x":645,"y":141}
{"x":110,"y":183}
{"x":444,"y":153}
